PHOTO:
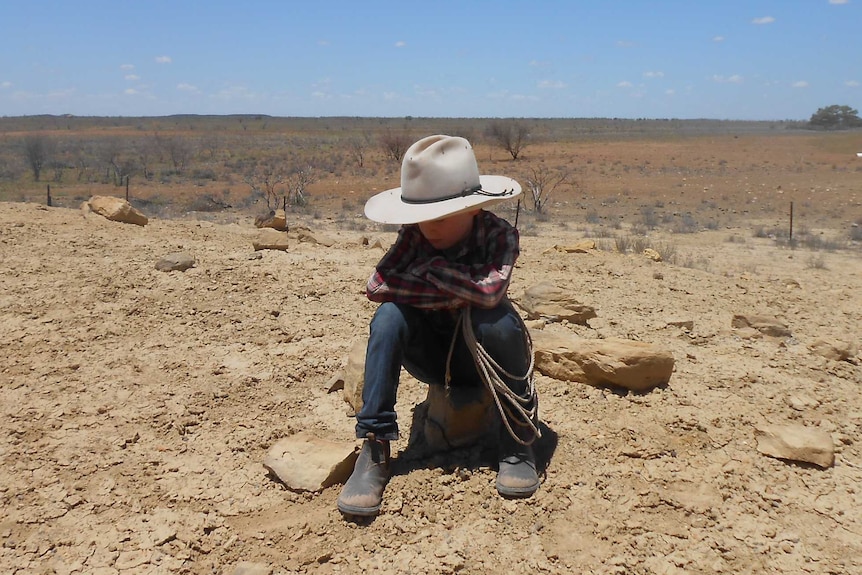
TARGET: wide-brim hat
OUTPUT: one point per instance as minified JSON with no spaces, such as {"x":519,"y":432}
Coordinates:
{"x":439,"y":178}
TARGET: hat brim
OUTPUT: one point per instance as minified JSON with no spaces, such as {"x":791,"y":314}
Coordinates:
{"x":388,"y":207}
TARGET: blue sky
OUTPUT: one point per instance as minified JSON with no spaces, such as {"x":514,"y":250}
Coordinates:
{"x":731,"y":59}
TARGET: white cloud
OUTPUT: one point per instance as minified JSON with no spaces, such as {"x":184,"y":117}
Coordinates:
{"x":127,"y":66}
{"x":183,"y":87}
{"x":390,"y":95}
{"x":800,"y":84}
{"x":5,"y":84}
{"x":625,"y":44}
{"x":735,"y":79}
{"x":539,"y":64}
{"x":718,"y":39}
{"x":653,"y":74}
{"x":852,"y":83}
{"x":554,"y":84}
{"x":163,"y":59}
{"x":400,"y":44}
{"x":323,"y":42}
{"x":838,"y":2}
{"x":130,"y":91}
{"x":132,"y":77}
{"x":764,"y":20}
{"x":624,"y":84}
{"x":670,"y":92}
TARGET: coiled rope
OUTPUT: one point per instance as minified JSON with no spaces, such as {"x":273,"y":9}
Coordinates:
{"x":512,"y":407}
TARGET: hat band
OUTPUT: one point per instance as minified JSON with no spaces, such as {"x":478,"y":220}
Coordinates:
{"x":477,"y":190}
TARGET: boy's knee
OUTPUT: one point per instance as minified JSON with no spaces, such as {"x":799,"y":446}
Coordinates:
{"x":389,"y":319}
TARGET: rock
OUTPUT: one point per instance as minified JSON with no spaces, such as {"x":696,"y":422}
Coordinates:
{"x":354,"y":375}
{"x":765,"y":325}
{"x":269,"y":239}
{"x":249,"y":568}
{"x":652,"y":255}
{"x":581,"y":247}
{"x":834,"y":350}
{"x":117,"y":210}
{"x":275,"y":219}
{"x":551,"y":302}
{"x":796,"y":443}
{"x":178,"y":261}
{"x":308,"y":236}
{"x":634,"y":365}
{"x":685,"y":324}
{"x":456,"y":418}
{"x":307,"y":463}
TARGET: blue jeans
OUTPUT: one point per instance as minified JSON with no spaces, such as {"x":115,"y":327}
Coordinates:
{"x":419,"y":340}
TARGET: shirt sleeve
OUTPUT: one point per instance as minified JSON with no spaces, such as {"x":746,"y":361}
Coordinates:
{"x":482,"y":284}
{"x":395,"y":278}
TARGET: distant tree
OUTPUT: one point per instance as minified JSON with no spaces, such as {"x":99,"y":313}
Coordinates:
{"x":510,"y":135}
{"x":543,"y":182}
{"x":395,"y":144}
{"x":835,"y":118}
{"x":297,"y":185}
{"x":38,"y":150}
{"x":266,"y":179}
{"x":358,"y":146}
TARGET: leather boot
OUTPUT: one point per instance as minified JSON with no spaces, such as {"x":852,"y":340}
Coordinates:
{"x":363,"y":492}
{"x":517,"y":476}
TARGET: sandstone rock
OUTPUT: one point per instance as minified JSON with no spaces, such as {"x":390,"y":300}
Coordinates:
{"x":354,"y":375}
{"x":581,"y":247}
{"x":178,"y":261}
{"x":307,"y":463}
{"x":307,"y":236}
{"x":834,"y":350}
{"x":275,"y":219}
{"x":652,"y":254}
{"x":796,"y":443}
{"x":548,"y":301}
{"x":634,"y":365}
{"x":685,"y":324}
{"x":453,"y":418}
{"x":249,"y":568}
{"x":765,"y":325}
{"x":269,"y":239}
{"x":117,"y":210}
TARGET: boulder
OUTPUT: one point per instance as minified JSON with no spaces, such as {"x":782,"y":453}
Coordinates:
{"x":456,"y":417}
{"x":304,"y":462}
{"x":270,"y":239}
{"x":796,"y":443}
{"x":275,"y":219}
{"x":178,"y":261}
{"x":835,"y":350}
{"x":116,"y":210}
{"x":764,"y":324}
{"x":553,"y":303}
{"x":634,"y":365}
{"x":307,"y":236}
{"x":354,"y":375}
{"x":652,"y":255}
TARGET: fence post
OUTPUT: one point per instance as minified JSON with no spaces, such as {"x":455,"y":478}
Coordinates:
{"x":127,"y":187}
{"x":49,"y":195}
{"x":791,"y":222}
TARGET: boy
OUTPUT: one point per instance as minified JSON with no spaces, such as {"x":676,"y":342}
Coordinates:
{"x":444,"y":314}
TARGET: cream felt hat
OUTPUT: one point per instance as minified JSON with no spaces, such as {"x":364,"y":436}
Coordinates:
{"x":439,"y":178}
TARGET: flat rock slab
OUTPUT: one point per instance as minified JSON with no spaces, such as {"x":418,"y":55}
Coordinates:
{"x":554,"y":303}
{"x":270,"y":239}
{"x":179,"y":261}
{"x":117,"y":210}
{"x":796,"y":443}
{"x":307,"y":463}
{"x":634,"y":365}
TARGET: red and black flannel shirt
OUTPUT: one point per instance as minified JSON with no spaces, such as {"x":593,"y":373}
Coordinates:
{"x":476,"y":272}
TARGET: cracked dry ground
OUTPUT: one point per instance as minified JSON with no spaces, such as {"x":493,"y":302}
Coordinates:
{"x":138,"y":406}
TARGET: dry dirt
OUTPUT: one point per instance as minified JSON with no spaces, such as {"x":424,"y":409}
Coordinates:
{"x":138,"y":406}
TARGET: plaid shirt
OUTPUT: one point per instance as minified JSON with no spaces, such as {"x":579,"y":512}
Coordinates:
{"x":475,"y":272}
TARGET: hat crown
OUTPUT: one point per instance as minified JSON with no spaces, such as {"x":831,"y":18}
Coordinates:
{"x":437,"y":168}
